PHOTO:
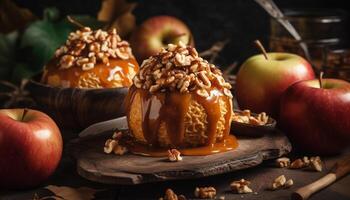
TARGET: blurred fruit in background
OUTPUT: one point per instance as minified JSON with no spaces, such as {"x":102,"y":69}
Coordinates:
{"x":157,"y":32}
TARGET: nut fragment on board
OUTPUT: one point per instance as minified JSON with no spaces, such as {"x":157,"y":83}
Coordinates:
{"x":241,"y":186}
{"x":289,"y":183}
{"x":281,"y":182}
{"x":205,"y":192}
{"x":170,"y":195}
{"x":315,"y":164}
{"x":278,"y":182}
{"x":283,"y":162}
{"x":174,"y":155}
{"x":113,"y":145}
{"x":297,"y":164}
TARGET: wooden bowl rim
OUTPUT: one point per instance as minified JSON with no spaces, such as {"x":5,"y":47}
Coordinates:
{"x":32,"y":81}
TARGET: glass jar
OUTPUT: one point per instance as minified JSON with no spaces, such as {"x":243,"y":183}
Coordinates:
{"x":337,"y":63}
{"x":318,"y":29}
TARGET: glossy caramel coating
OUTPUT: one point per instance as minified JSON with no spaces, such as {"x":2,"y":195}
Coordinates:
{"x":118,"y":73}
{"x":194,"y":124}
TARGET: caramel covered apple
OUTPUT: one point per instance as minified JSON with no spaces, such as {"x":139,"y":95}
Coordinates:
{"x":179,"y":100}
{"x":91,"y":59}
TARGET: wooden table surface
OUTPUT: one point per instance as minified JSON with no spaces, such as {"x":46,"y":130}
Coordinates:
{"x":261,"y":177}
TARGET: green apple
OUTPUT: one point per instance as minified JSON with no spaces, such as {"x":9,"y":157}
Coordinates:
{"x":261,"y":80}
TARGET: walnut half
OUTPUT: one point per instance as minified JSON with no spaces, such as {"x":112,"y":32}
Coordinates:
{"x":241,"y":186}
{"x":174,"y":155}
{"x":170,"y":195}
{"x":281,"y":182}
{"x":205,"y":192}
{"x":283,"y":162}
{"x":113,"y":145}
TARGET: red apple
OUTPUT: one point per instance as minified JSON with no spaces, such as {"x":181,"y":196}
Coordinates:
{"x":157,"y":32}
{"x":30,"y":147}
{"x":317,"y":119}
{"x":261,"y":81}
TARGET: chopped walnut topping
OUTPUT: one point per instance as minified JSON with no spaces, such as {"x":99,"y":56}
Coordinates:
{"x":246,"y":117}
{"x":91,"y":80}
{"x":170,"y":195}
{"x":283,"y":162}
{"x":174,"y":155}
{"x":205,"y":192}
{"x":178,"y":67}
{"x":84,"y":48}
{"x":241,"y":186}
{"x":113,"y":145}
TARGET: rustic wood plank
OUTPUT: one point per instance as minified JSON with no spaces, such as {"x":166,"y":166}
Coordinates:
{"x":95,"y":165}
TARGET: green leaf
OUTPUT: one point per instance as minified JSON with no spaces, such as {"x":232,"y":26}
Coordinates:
{"x":43,"y":38}
{"x":7,"y":54}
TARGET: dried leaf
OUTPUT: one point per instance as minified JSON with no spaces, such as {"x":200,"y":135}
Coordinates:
{"x":118,"y":14}
{"x":69,"y":193}
{"x":13,"y":17}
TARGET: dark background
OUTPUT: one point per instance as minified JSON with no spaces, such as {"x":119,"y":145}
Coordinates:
{"x":240,"y":21}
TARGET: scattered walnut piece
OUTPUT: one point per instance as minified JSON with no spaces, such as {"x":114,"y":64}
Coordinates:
{"x":283,"y":162}
{"x":281,"y":182}
{"x":306,"y":161}
{"x":170,"y":195}
{"x":315,"y":164}
{"x":174,"y":155}
{"x":289,"y":183}
{"x":113,"y":145}
{"x":120,"y":150}
{"x":222,"y":198}
{"x":245,"y":116}
{"x":241,"y":186}
{"x":297,"y":164}
{"x":205,"y":192}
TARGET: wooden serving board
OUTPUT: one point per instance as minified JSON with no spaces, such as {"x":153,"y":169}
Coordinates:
{"x":129,"y":169}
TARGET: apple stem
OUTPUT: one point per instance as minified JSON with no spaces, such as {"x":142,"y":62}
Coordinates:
{"x":24,"y":113}
{"x":73,"y":21}
{"x":261,"y":47}
{"x":320,"y":79}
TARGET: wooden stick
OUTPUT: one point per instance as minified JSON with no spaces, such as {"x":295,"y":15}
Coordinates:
{"x":340,"y":169}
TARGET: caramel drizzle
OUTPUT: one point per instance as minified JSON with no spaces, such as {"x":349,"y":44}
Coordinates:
{"x":101,"y":70}
{"x":171,"y":109}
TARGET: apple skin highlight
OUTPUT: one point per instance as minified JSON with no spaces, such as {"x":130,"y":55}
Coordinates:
{"x":261,"y":82}
{"x":30,"y":148}
{"x":317,"y":119}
